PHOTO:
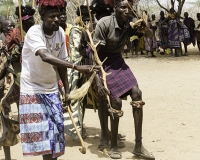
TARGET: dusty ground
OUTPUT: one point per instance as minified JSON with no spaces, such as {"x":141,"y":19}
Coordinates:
{"x":171,"y":115}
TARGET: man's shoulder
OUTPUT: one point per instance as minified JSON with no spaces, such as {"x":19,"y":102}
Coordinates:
{"x":105,"y":20}
{"x":35,"y":28}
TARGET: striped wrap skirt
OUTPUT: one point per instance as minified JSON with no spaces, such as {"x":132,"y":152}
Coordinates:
{"x":41,"y":124}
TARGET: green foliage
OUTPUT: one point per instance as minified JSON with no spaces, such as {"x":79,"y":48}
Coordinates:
{"x":4,"y":5}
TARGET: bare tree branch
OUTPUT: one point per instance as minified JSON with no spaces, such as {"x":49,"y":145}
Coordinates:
{"x":180,"y":6}
{"x":161,"y":6}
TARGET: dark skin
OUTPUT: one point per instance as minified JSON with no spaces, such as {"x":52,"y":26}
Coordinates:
{"x":7,"y":25}
{"x":2,"y":18}
{"x":63,"y":19}
{"x":162,"y":18}
{"x":153,"y":28}
{"x":122,"y":13}
{"x":51,"y":22}
{"x":186,"y":15}
{"x":198,"y":18}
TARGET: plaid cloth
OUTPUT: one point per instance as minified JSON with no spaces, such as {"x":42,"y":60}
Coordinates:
{"x":13,"y":38}
{"x":121,"y":79}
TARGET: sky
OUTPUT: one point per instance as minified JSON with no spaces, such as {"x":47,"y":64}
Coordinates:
{"x":164,"y":2}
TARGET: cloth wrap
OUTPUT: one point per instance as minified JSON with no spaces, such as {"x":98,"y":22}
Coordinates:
{"x":41,"y":124}
{"x":121,"y":79}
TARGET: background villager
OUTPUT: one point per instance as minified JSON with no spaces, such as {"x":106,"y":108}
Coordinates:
{"x":177,"y":32}
{"x":151,"y":43}
{"x":197,"y":30}
{"x":162,"y":32}
{"x":189,"y":22}
{"x":10,"y":39}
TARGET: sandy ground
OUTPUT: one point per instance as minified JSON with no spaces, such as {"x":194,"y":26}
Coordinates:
{"x":171,"y":125}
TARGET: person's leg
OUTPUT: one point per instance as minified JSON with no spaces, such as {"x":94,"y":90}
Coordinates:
{"x":6,"y":150}
{"x":147,"y":54}
{"x":152,"y":54}
{"x":137,"y":104}
{"x":176,"y":52}
{"x":136,"y":95}
{"x":136,"y":51}
{"x":103,"y":117}
{"x":185,"y":46}
{"x":198,"y":44}
{"x":126,"y":53}
{"x":114,"y":153}
{"x":48,"y":157}
{"x":132,"y":50}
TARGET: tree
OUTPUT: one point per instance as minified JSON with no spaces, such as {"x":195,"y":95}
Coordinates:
{"x":180,"y":5}
{"x":72,"y":6}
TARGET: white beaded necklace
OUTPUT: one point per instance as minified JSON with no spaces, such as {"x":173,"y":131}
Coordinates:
{"x":48,"y":38}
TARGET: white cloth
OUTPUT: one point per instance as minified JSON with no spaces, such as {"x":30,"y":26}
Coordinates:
{"x":38,"y":76}
{"x":197,"y":22}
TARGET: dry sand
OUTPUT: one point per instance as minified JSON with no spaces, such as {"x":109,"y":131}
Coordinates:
{"x":171,"y":125}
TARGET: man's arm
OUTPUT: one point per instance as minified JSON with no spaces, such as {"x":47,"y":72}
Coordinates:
{"x":51,"y":59}
{"x":64,"y":78}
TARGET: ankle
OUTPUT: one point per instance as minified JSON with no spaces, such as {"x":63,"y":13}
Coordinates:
{"x":138,"y":143}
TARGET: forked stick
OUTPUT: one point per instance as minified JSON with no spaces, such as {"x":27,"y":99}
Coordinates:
{"x":83,"y":149}
{"x":98,"y":61}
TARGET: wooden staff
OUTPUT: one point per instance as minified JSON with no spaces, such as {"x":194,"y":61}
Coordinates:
{"x":20,"y":20}
{"x":83,"y":149}
{"x":8,"y":12}
{"x":90,"y":14}
{"x":33,"y":4}
{"x":98,"y":61}
{"x":80,"y":12}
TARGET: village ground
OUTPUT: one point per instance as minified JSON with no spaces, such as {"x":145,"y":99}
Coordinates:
{"x":171,"y":127}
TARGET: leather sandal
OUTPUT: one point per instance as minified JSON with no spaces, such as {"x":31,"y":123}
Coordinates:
{"x":115,"y":154}
{"x":143,"y":153}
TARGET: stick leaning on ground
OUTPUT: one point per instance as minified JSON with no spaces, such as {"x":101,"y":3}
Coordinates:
{"x":83,"y":149}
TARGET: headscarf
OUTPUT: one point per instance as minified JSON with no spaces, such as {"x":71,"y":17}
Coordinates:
{"x":101,"y":8}
{"x":45,"y":5}
{"x":27,"y":12}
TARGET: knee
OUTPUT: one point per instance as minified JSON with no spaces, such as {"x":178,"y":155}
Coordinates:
{"x":136,"y":94}
{"x":117,"y":103}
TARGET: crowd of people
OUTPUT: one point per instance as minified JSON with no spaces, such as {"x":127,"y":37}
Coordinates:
{"x":40,"y":69}
{"x":169,"y":32}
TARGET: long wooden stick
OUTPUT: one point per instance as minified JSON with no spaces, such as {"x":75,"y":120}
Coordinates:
{"x":98,"y":61}
{"x":8,"y":12}
{"x":33,"y":4}
{"x":90,"y":15}
{"x":20,"y":20}
{"x":83,"y":149}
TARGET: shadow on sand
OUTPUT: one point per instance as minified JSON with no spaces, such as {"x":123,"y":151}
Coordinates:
{"x":93,"y":141}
